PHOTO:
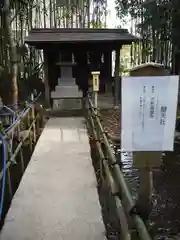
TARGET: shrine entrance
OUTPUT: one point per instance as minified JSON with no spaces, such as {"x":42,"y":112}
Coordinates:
{"x":70,"y":55}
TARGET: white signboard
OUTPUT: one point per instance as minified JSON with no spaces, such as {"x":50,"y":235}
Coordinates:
{"x":148,"y":116}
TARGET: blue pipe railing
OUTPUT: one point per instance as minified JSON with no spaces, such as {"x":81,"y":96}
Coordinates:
{"x":4,"y":173}
{"x":22,"y":113}
{"x":3,"y":139}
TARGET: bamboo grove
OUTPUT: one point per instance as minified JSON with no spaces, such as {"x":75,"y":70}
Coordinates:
{"x":20,"y":66}
{"x":156,"y":22}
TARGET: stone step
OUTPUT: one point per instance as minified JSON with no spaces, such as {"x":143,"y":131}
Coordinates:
{"x":66,"y":79}
{"x":66,"y":94}
{"x":67,"y":104}
{"x":67,"y":88}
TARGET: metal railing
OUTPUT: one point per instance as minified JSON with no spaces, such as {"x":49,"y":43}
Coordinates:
{"x":23,"y":131}
{"x":118,"y":187}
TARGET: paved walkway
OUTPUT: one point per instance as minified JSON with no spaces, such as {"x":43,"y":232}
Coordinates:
{"x":57,"y":198}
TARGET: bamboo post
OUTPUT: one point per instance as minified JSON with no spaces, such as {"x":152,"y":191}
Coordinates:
{"x":20,"y":151}
{"x":9,"y":153}
{"x":29,"y":124}
{"x":9,"y":183}
{"x":33,"y":118}
{"x":37,"y":125}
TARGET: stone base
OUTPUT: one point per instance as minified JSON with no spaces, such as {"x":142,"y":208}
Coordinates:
{"x":66,"y":92}
{"x":66,"y":81}
{"x":67,"y":104}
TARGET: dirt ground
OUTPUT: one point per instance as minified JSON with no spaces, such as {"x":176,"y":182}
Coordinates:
{"x":111,"y":121}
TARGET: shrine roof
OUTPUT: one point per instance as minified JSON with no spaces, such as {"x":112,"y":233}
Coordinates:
{"x":79,"y":35}
{"x":146,"y":65}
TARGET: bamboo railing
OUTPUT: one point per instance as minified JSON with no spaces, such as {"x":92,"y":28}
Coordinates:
{"x":129,"y":221}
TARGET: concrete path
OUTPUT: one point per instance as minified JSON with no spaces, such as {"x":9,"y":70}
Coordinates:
{"x":57,"y":197}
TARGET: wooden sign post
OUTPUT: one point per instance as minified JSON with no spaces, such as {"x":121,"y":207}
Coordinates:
{"x":95,"y":87}
{"x":144,"y":160}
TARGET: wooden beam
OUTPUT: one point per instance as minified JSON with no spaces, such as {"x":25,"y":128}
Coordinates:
{"x":86,"y":46}
{"x":116,"y":75}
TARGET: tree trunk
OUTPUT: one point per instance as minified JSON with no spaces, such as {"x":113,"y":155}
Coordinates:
{"x":12,"y":53}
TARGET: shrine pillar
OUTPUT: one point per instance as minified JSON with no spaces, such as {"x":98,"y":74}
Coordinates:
{"x":46,"y":78}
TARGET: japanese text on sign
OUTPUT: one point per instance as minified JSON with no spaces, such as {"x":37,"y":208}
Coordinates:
{"x":148,"y":113}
